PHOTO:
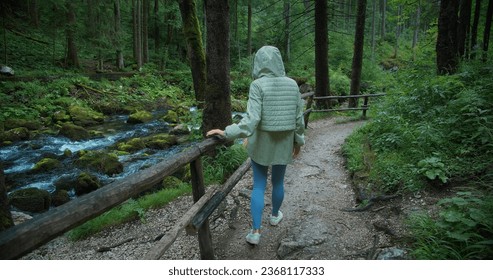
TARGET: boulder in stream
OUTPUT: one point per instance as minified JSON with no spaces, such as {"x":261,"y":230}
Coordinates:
{"x":31,"y":200}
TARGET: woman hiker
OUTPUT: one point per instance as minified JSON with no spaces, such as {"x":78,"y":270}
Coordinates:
{"x":274,"y":127}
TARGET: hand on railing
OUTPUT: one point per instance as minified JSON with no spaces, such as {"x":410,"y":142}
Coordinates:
{"x":213,"y":132}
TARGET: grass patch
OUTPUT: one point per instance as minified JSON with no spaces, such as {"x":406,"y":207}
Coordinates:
{"x":128,"y":211}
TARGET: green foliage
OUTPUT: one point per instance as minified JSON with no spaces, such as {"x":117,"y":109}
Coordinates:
{"x":433,"y":168}
{"x":219,"y":168}
{"x":432,"y":127}
{"x":128,"y":211}
{"x":463,"y":230}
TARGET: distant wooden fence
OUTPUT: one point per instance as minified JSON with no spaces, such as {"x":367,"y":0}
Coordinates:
{"x":311,"y":96}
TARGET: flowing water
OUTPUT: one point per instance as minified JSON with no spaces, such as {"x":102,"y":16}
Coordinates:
{"x":19,"y":159}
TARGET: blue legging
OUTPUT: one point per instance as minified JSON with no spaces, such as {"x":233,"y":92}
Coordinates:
{"x":259,"y":184}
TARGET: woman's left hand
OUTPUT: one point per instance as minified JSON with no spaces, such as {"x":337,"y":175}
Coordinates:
{"x":213,"y":132}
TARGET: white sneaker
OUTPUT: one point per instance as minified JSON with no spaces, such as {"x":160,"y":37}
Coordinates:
{"x":274,"y":221}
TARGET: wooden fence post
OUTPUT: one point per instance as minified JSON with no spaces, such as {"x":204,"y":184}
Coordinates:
{"x":198,"y":190}
{"x":365,"y":107}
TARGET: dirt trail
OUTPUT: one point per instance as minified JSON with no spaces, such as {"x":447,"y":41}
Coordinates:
{"x":317,"y":187}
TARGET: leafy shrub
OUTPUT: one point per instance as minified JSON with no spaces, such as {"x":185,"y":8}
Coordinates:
{"x":463,"y":230}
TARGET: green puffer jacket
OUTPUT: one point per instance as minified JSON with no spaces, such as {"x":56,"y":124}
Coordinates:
{"x":274,"y":122}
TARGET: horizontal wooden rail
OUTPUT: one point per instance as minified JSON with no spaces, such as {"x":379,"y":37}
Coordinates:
{"x":23,"y":238}
{"x":195,"y":217}
{"x":348,"y":96}
{"x":218,"y":197}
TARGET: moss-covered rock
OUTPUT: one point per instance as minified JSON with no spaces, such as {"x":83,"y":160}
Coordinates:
{"x":61,"y":117}
{"x":100,"y":162}
{"x":15,"y":134}
{"x":180,"y":129}
{"x":31,"y":200}
{"x":139,"y":117}
{"x":160,"y":141}
{"x":60,"y":197}
{"x":74,"y":132}
{"x":85,"y":116}
{"x":171,"y":117}
{"x":133,"y":145}
{"x":16,"y":123}
{"x":86,"y":183}
{"x":46,"y":164}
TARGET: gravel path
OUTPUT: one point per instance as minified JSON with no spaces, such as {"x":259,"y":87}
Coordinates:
{"x":316,"y":188}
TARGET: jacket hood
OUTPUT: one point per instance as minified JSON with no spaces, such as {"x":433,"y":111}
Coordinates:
{"x":268,"y":62}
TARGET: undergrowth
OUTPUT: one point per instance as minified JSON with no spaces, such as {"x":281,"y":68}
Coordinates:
{"x":435,"y":132}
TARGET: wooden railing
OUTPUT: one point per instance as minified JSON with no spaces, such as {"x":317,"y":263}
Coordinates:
{"x":22,"y":239}
{"x":363,"y":107}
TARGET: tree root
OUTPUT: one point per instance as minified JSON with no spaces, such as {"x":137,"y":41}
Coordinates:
{"x":370,"y":203}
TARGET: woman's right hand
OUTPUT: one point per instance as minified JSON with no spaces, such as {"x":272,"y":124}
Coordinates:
{"x":213,"y":132}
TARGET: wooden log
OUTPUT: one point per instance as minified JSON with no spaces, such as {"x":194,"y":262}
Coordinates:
{"x":21,"y":239}
{"x":167,"y":240}
{"x":219,"y":196}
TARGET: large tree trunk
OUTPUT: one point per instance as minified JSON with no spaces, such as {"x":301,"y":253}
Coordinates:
{"x":474,"y":29}
{"x":157,"y":34}
{"x":72,"y":58}
{"x":321,"y":53}
{"x":145,"y":30}
{"x":463,"y":28}
{"x":487,"y":29}
{"x":416,"y":29}
{"x":373,"y":28}
{"x":398,"y":30}
{"x":196,"y":54}
{"x":120,"y":63}
{"x":33,"y":13}
{"x":5,"y":215}
{"x":359,"y":40}
{"x":446,"y":47}
{"x":217,"y":109}
{"x":383,"y":12}
{"x":137,"y":32}
{"x":287,"y":33}
{"x":249,"y":31}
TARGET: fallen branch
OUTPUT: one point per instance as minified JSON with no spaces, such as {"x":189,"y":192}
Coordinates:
{"x":108,"y":248}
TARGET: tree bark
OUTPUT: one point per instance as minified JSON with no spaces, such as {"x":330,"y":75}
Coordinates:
{"x":487,"y":30}
{"x":72,"y":57}
{"x":383,"y":11}
{"x":474,"y":29}
{"x":373,"y":28}
{"x":120,"y":63}
{"x":359,"y":40}
{"x":217,"y":109}
{"x":249,"y":31}
{"x":193,"y":35}
{"x":416,"y":29}
{"x":287,"y":34}
{"x":145,"y":30}
{"x":446,"y":47}
{"x":463,"y":28}
{"x":5,"y":215}
{"x":321,"y":54}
